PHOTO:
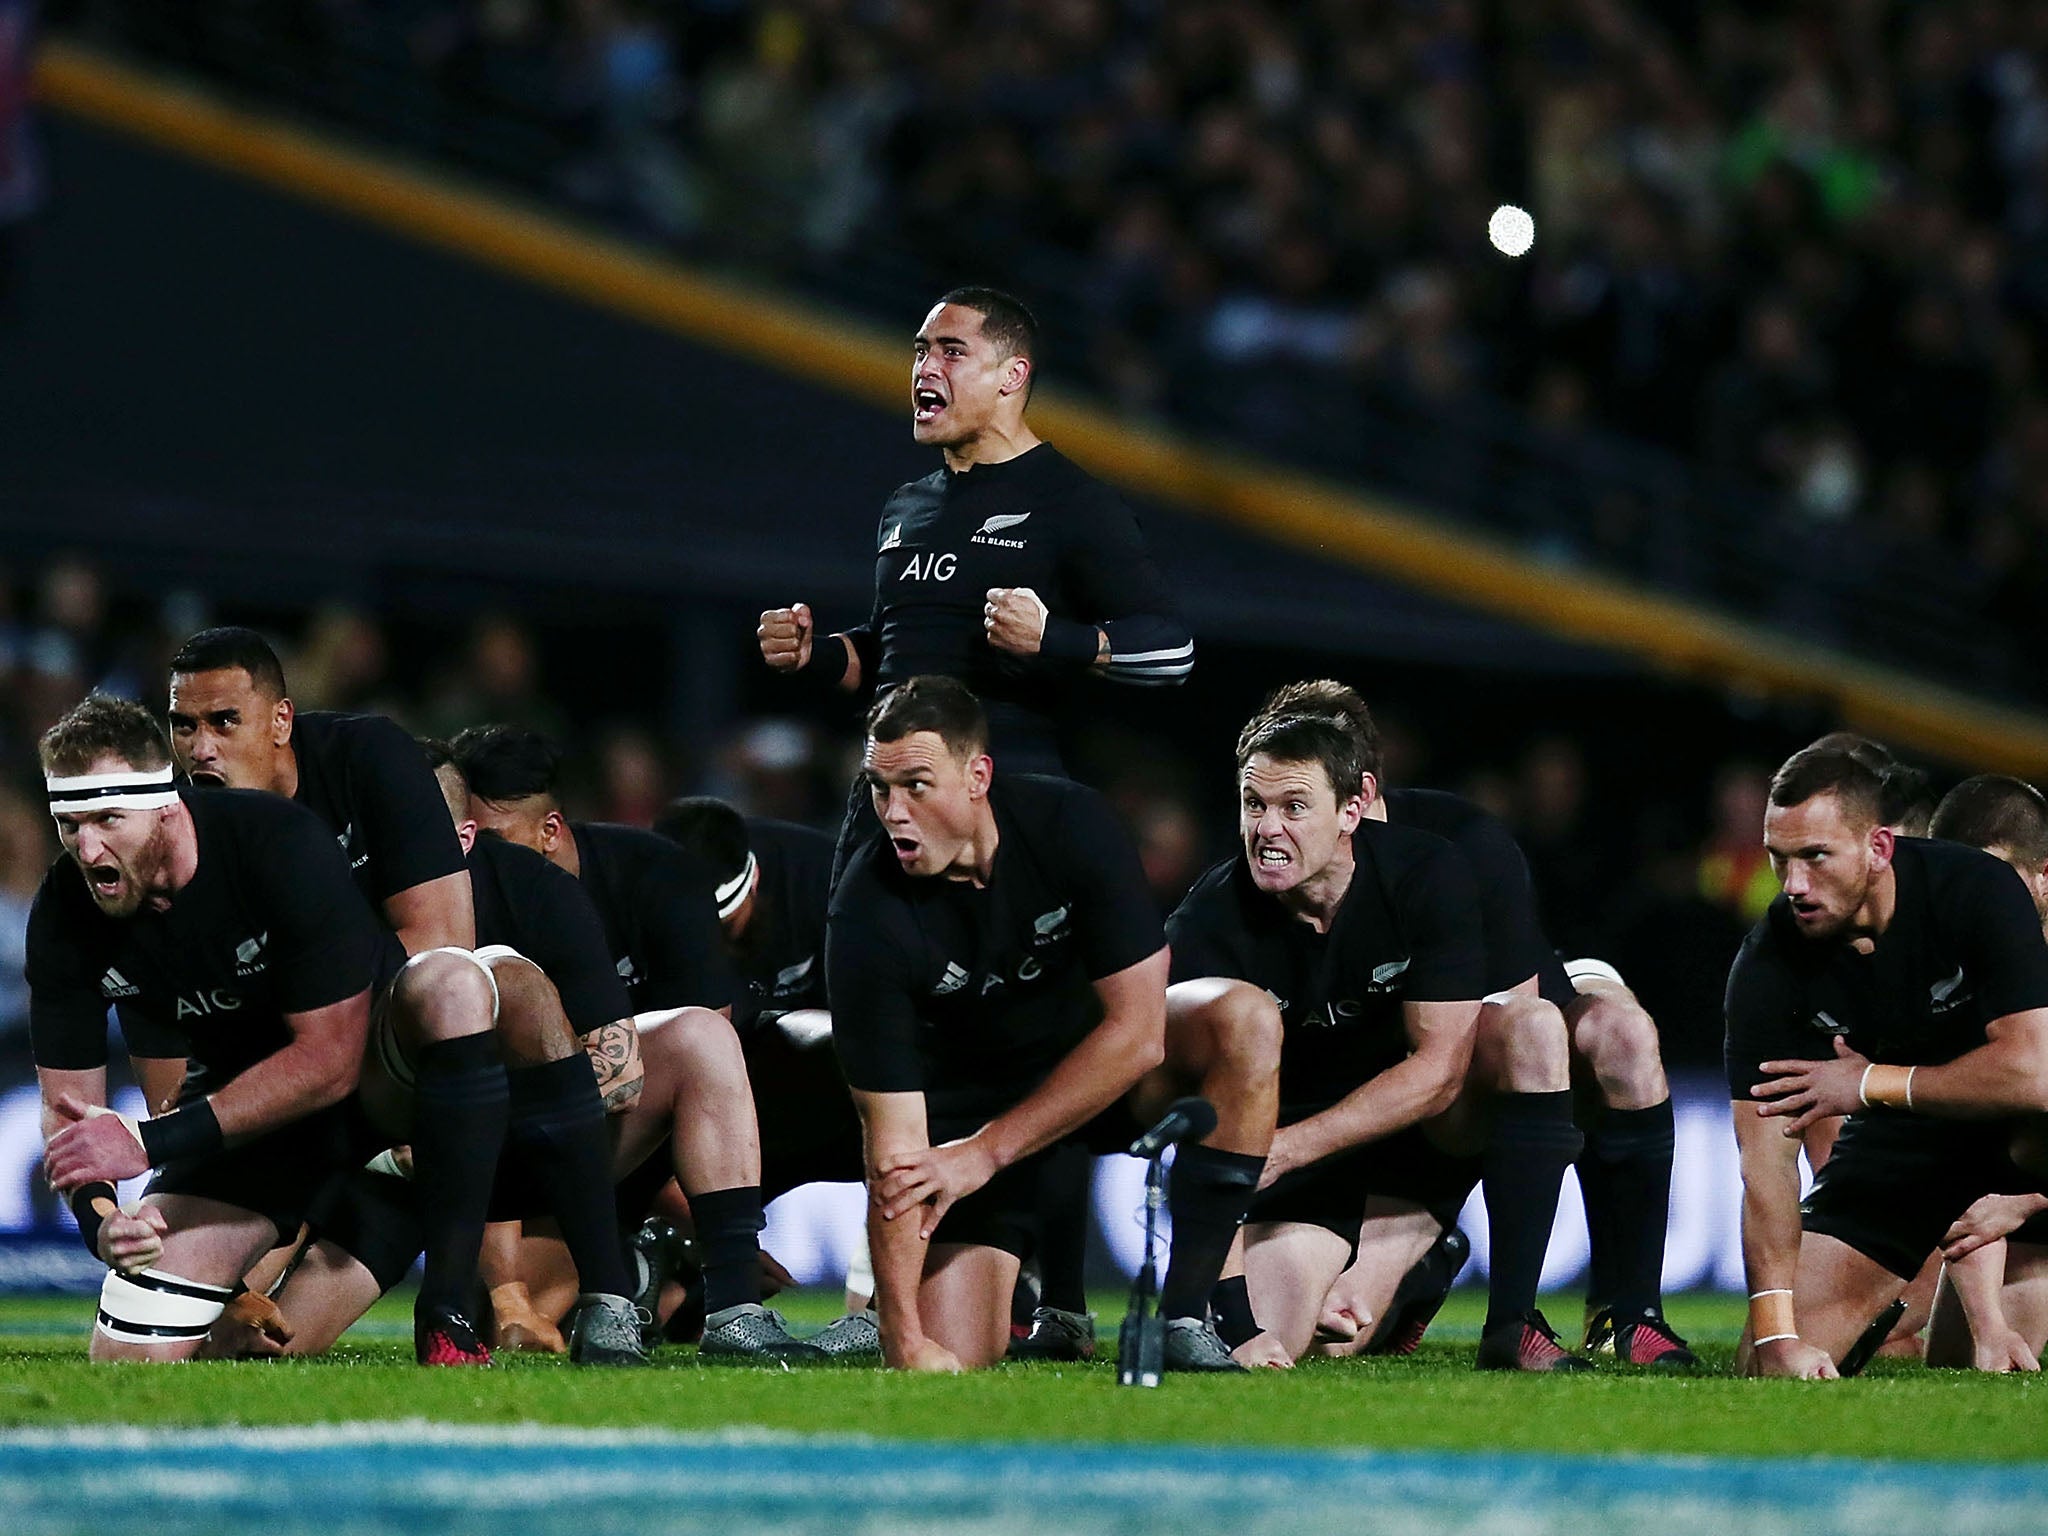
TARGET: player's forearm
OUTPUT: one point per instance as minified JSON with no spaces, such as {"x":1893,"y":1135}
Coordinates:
{"x":2002,"y":1077}
{"x":1406,"y":1094}
{"x":897,"y":1254}
{"x":1104,"y":1067}
{"x":1979,"y":1281}
{"x":87,"y":1086}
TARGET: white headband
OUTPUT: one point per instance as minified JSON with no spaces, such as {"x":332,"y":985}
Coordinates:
{"x":734,"y":891}
{"x":128,"y":789}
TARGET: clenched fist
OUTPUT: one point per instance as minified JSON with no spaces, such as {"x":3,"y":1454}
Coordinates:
{"x":1015,"y":620}
{"x":786,"y":637}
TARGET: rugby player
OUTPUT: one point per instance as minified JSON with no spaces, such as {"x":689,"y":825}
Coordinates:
{"x":1365,"y":941}
{"x":1991,"y":1310}
{"x":434,"y":1077}
{"x":228,"y":923}
{"x":1625,"y":1168}
{"x":659,"y":906}
{"x":998,"y":983}
{"x":1919,"y":968}
{"x":1013,"y":570}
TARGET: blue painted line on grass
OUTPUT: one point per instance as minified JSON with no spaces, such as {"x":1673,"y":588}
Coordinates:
{"x":384,"y":1479}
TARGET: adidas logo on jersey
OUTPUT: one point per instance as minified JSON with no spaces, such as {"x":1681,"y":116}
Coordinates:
{"x":891,"y":539}
{"x":114,"y":984}
{"x":1827,"y":1024}
{"x":952,"y":981}
{"x":998,"y":524}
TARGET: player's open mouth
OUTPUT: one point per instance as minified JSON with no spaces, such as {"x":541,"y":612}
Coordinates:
{"x":105,"y":878}
{"x":906,"y":848}
{"x":1274,"y":858}
{"x":207,"y":778}
{"x":927,"y":404}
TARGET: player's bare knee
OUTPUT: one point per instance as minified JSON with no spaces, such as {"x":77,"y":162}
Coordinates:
{"x":1616,"y":1037}
{"x":1531,"y":1046}
{"x":440,"y":995}
{"x":702,"y":1043}
{"x":532,"y":1029}
{"x":1228,"y":1023}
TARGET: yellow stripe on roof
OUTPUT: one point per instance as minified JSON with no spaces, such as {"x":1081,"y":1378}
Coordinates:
{"x":1320,"y":518}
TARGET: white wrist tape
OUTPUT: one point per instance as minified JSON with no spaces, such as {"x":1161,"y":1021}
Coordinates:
{"x":158,"y":1308}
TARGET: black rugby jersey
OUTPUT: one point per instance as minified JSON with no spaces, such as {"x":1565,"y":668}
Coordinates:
{"x":660,"y":912}
{"x":1407,"y":931}
{"x":1963,"y":947}
{"x":1036,"y":521}
{"x":1515,"y":946}
{"x":369,"y":781}
{"x":974,"y":995}
{"x":268,"y":925}
{"x":545,"y":913}
{"x":780,"y":959}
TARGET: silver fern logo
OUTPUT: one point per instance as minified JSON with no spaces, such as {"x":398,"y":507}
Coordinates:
{"x":1000,"y":524}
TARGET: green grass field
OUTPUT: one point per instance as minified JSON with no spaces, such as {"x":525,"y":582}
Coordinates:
{"x":1434,"y":1400}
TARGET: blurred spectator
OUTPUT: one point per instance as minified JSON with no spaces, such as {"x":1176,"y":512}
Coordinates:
{"x":26,"y":850}
{"x":634,"y":782}
{"x":21,"y":166}
{"x":1734,"y":873}
{"x":341,"y":664}
{"x":498,"y":682}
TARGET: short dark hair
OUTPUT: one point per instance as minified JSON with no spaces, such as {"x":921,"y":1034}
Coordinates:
{"x":1845,"y":772}
{"x":1994,"y":811}
{"x":710,"y":829}
{"x":101,"y":725}
{"x":228,"y":646}
{"x":1907,"y":799}
{"x":439,"y":755}
{"x":1319,"y":738}
{"x":1322,"y":696}
{"x":1006,"y":320}
{"x":507,"y":762}
{"x":944,"y":706}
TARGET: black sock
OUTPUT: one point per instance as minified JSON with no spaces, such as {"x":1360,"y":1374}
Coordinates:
{"x":1208,"y":1192}
{"x":558,"y":1129}
{"x":1625,"y":1173}
{"x":1534,"y":1141}
{"x":1063,"y":1217}
{"x":728,"y":1223}
{"x":459,"y":1115}
{"x":1231,"y":1303}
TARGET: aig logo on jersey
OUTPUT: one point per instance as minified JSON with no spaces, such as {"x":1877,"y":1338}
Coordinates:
{"x":931,"y":566}
{"x":249,"y":959}
{"x":200,"y":1004}
{"x":1001,"y":523}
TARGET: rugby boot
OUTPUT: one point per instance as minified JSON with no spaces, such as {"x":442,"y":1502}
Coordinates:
{"x":1421,"y":1295}
{"x":856,"y":1336}
{"x":444,"y":1337}
{"x":1643,"y":1340}
{"x":517,"y":1326}
{"x":607,"y":1331}
{"x":1056,"y":1334}
{"x":1526,"y":1342}
{"x":751,"y":1334}
{"x":1194,"y":1345}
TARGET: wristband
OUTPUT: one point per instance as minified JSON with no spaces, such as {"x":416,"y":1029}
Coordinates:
{"x":1771,"y":1317}
{"x":1886,"y":1085}
{"x":1070,"y":640}
{"x":85,"y":1205}
{"x":829,"y":658}
{"x":189,"y":1132}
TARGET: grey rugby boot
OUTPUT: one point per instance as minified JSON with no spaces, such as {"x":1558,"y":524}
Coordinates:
{"x":607,"y":1331}
{"x":751,"y":1334}
{"x":1057,"y":1334}
{"x":1193,"y":1345}
{"x":855,"y":1336}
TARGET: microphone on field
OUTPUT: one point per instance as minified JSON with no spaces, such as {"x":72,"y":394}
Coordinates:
{"x":1188,"y":1119}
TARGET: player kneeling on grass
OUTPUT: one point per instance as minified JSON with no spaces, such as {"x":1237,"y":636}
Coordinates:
{"x":229,"y":918}
{"x":1361,"y":943}
{"x":998,"y":983}
{"x":1902,"y":983}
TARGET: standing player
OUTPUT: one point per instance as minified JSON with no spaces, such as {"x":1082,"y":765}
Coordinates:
{"x":1920,"y":970}
{"x":998,"y":983}
{"x":659,"y":911}
{"x":228,"y":920}
{"x":1625,"y":1169}
{"x":436,"y":1078}
{"x":1369,"y":941}
{"x":1009,"y":568}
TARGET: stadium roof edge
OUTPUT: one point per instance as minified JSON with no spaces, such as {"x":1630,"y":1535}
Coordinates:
{"x":1683,"y":639}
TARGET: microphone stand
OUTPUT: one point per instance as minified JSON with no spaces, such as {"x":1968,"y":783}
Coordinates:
{"x":1141,"y":1341}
